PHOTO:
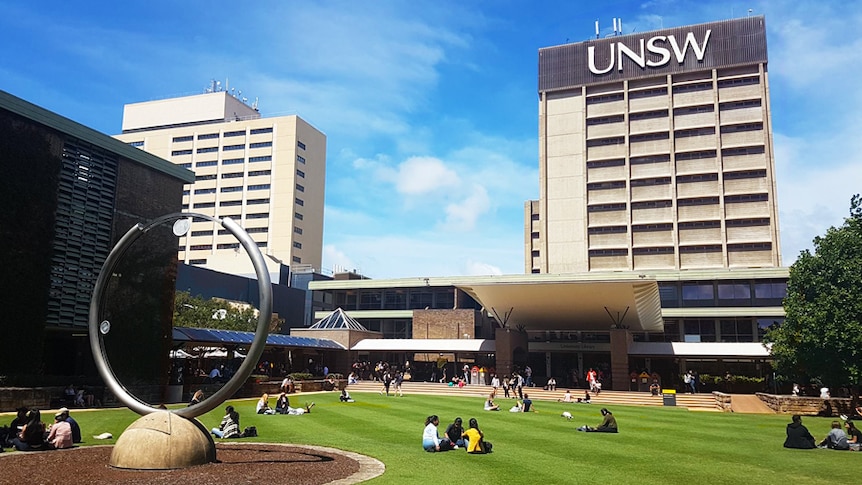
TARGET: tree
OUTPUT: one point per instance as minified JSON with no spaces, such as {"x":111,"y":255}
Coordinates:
{"x":821,"y":337}
{"x":198,"y":312}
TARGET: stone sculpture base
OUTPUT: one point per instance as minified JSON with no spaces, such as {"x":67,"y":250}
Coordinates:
{"x":163,"y":441}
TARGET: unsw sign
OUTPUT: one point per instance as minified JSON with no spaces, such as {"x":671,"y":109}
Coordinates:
{"x":654,"y":52}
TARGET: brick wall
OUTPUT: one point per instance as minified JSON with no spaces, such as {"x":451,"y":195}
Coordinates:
{"x":452,"y":324}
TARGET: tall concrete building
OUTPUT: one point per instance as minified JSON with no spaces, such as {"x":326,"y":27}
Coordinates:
{"x":655,"y":153}
{"x":266,"y":173}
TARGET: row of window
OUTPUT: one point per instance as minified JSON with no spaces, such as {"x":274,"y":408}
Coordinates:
{"x":211,"y":136}
{"x":682,"y":179}
{"x":701,"y":248}
{"x":677,"y":89}
{"x":228,"y":189}
{"x":667,"y":226}
{"x":693,"y":155}
{"x":652,"y":204}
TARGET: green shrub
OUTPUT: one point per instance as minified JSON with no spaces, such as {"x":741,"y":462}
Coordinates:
{"x":301,"y":376}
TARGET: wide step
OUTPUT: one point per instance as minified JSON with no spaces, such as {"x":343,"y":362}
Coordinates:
{"x":699,"y":402}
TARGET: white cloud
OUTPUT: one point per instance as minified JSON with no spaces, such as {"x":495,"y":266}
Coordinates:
{"x":477,"y":268}
{"x":462,"y":216}
{"x":423,"y":175}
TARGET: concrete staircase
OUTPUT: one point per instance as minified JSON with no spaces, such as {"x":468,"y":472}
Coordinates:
{"x":693,"y":402}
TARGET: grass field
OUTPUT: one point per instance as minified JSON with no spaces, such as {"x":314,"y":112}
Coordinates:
{"x":656,"y":445}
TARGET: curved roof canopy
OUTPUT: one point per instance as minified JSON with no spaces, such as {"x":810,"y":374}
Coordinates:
{"x":588,"y":304}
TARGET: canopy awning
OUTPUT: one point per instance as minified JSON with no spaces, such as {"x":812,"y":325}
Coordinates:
{"x":586,"y":304}
{"x":217,"y":336}
{"x":700,"y":349}
{"x":425,"y":345}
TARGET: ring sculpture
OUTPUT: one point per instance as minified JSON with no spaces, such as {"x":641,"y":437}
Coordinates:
{"x":163,"y":439}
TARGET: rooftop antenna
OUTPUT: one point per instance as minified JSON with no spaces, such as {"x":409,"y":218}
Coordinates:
{"x":597,"y":29}
{"x":749,"y":12}
{"x":615,"y":26}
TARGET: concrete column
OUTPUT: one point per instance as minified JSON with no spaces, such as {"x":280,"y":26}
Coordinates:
{"x":506,"y":341}
{"x":620,"y":340}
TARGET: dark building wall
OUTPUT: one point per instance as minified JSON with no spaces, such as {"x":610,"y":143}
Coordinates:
{"x":288,"y":303}
{"x":29,"y":173}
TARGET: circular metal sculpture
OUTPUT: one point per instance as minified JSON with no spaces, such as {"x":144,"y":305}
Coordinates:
{"x":139,"y":440}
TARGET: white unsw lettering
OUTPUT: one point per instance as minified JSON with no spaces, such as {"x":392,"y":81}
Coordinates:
{"x":655,"y":45}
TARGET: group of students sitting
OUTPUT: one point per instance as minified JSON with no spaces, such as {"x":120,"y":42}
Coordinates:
{"x":472,"y":439}
{"x":521,"y":405}
{"x":567,"y":397}
{"x":799,"y":437}
{"x":282,"y":406}
{"x":27,"y":432}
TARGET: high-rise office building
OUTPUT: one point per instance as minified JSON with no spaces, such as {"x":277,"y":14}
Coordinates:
{"x":655,"y":153}
{"x":266,"y":173}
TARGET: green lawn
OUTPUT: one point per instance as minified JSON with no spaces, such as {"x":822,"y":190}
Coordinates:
{"x":655,"y":445}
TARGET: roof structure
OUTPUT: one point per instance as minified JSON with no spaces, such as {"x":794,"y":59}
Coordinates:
{"x":338,"y":320}
{"x":216,"y":336}
{"x":425,"y":345}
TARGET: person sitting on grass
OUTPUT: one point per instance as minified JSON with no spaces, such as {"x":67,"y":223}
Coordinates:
{"x":32,"y":436}
{"x":263,"y":405}
{"x":609,"y":424}
{"x":527,"y":405}
{"x":229,"y":427}
{"x":76,"y":429}
{"x":197,"y":397}
{"x":431,"y":440}
{"x":455,"y":431}
{"x":489,"y":404}
{"x":567,"y":397}
{"x":345,"y":396}
{"x":586,"y":399}
{"x":283,"y":407}
{"x":836,"y":439}
{"x":60,"y":434}
{"x":475,"y":439}
{"x":654,"y":388}
{"x":854,"y":435}
{"x":282,"y":403}
{"x":798,"y":436}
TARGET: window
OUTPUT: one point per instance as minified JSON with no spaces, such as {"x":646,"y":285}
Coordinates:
{"x":299,"y":202}
{"x":297,"y":244}
{"x":300,"y":159}
{"x":262,"y":144}
{"x":605,"y":120}
{"x":764,"y":246}
{"x":601,"y":142}
{"x":656,"y":204}
{"x":257,"y":230}
{"x":694,"y":132}
{"x":606,"y":207}
{"x":649,"y":137}
{"x":208,"y":136}
{"x":740,"y":81}
{"x":180,"y":139}
{"x":201,"y":247}
{"x":186,"y":192}
{"x":699,"y":330}
{"x":606,"y":98}
{"x":730,"y":199}
{"x":261,"y":244}
{"x":651,"y":227}
{"x":690,"y":110}
{"x":297,"y":216}
{"x":204,"y":205}
{"x":607,"y":230}
{"x":258,"y":173}
{"x":752,"y":103}
{"x":697,"y":201}
{"x":608,"y":252}
{"x":229,"y":203}
{"x":197,"y":261}
{"x":655,"y":250}
{"x":534,"y":254}
{"x":699,"y":225}
{"x":232,"y":175}
{"x":648,"y":115}
{"x":228,"y":134}
{"x":257,"y":201}
{"x":300,"y":145}
{"x":265,"y":158}
{"x":258,"y":215}
{"x":204,"y":191}
{"x":300,"y":188}
{"x":231,"y":189}
{"x":186,"y":165}
{"x":650,"y":182}
{"x":199,"y":178}
{"x":228,"y":246}
{"x":232,"y":161}
{"x":534,"y":235}
{"x":742,"y":127}
{"x":297,"y":230}
{"x":296,"y":259}
{"x":259,"y":187}
{"x":228,"y":148}
{"x":202,"y":233}
{"x":207,"y":150}
{"x":669,"y":294}
{"x":696,"y":155}
{"x":701,"y":177}
{"x":176,"y":153}
{"x":738,"y":291}
{"x":260,"y":131}
{"x":534,"y":217}
{"x":737,"y":330}
{"x":619,"y":162}
{"x":735,"y":152}
{"x":136,"y":143}
{"x":621,"y":184}
{"x":208,"y":163}
{"x":649,"y":159}
{"x":688,"y":88}
{"x":747,"y":222}
{"x":648,"y":93}
{"x":698,"y":294}
{"x":300,"y":174}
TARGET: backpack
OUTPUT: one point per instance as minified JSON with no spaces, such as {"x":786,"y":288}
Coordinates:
{"x":486,"y":446}
{"x":249,"y":432}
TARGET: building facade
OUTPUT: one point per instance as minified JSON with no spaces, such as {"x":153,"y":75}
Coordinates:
{"x":655,"y":153}
{"x":266,"y":173}
{"x":70,"y":193}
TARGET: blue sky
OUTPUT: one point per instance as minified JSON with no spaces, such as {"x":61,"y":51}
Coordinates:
{"x":430,"y":107}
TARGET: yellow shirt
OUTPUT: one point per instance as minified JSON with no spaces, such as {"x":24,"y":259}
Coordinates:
{"x":475,"y":438}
